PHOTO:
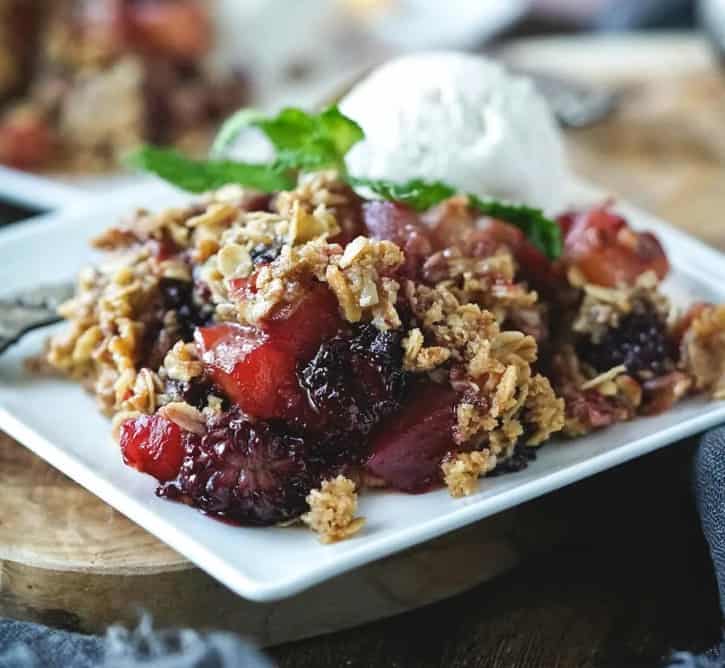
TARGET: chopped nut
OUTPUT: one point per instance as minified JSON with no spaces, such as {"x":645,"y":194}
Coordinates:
{"x":214,"y":214}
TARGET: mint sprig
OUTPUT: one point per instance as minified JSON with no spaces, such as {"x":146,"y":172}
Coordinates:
{"x":308,"y":142}
{"x":198,"y":176}
{"x":302,"y":140}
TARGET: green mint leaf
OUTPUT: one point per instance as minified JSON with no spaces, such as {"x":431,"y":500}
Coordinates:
{"x":201,"y":175}
{"x":419,"y":195}
{"x":301,"y":140}
{"x":543,"y":232}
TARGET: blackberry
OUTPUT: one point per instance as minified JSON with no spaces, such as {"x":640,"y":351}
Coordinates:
{"x":640,"y":343}
{"x":194,"y":392}
{"x":263,"y":253}
{"x":353,"y":382}
{"x":179,"y":296}
{"x":518,"y":461}
{"x":247,"y":472}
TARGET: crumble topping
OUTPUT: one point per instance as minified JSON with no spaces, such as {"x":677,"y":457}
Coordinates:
{"x":318,"y":189}
{"x":103,"y":112}
{"x":468,"y":324}
{"x":703,"y":350}
{"x":462,"y":471}
{"x":492,"y":368}
{"x":603,"y":308}
{"x":486,"y":281}
{"x":104,"y":343}
{"x":332,"y":510}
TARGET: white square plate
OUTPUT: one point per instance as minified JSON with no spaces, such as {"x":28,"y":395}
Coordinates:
{"x":59,"y":421}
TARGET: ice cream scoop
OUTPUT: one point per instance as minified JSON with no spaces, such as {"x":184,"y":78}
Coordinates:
{"x":461,"y":119}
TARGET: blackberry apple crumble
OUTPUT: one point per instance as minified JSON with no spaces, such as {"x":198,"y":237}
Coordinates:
{"x":268,"y":351}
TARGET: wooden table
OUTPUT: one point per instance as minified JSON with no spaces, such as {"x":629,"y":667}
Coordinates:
{"x":631,"y":578}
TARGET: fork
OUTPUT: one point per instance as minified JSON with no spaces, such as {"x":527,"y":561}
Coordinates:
{"x":30,"y":309}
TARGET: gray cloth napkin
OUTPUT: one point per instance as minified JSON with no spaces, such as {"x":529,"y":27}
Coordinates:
{"x":25,"y":645}
{"x":710,"y":495}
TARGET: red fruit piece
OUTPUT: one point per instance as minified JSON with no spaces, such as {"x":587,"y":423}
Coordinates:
{"x":409,"y":447}
{"x":152,"y":444}
{"x":179,"y":29}
{"x":246,"y":363}
{"x":26,"y":141}
{"x":392,"y":221}
{"x":607,"y":250}
{"x":300,"y":327}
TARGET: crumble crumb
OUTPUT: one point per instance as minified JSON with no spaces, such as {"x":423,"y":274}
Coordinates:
{"x":138,"y":391}
{"x":462,"y":471}
{"x":543,"y":410}
{"x":703,"y":350}
{"x":332,"y":510}
{"x":358,"y":279}
{"x":419,"y":358}
{"x":182,"y":362}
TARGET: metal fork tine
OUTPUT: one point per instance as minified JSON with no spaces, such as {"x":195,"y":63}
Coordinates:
{"x":30,"y":309}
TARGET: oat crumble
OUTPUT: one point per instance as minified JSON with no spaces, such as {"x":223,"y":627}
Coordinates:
{"x":466,"y":324}
{"x":332,"y":510}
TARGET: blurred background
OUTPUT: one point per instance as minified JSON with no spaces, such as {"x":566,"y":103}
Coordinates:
{"x":81,"y":81}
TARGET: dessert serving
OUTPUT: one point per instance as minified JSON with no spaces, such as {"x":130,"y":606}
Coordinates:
{"x":313,"y":327}
{"x":83,"y":82}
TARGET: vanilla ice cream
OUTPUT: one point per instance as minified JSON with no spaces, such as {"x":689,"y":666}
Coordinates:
{"x":461,"y":119}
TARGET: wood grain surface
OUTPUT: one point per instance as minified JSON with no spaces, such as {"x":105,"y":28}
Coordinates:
{"x":615,"y":571}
